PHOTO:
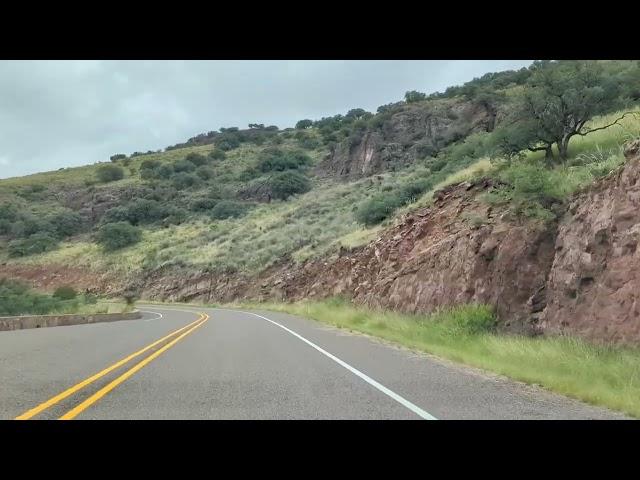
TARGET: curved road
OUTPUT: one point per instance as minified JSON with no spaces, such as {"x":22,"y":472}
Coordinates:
{"x":197,"y":363}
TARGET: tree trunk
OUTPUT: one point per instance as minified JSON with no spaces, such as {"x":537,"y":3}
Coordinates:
{"x":548,"y":155}
{"x":563,"y":147}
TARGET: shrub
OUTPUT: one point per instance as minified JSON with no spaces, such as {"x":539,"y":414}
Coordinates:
{"x":138,"y":211}
{"x":118,"y":156}
{"x":276,"y":160}
{"x":183,"y":180}
{"x":183,"y":166}
{"x":228,"y":142}
{"x":114,"y":236}
{"x":36,"y":243}
{"x":67,"y":224}
{"x":302,"y":124}
{"x":285,"y":184}
{"x":18,"y":299}
{"x":65,"y":292}
{"x":205,"y":173}
{"x":227,"y":209}
{"x":5,"y":226}
{"x":165,"y":171}
{"x":109,"y":173}
{"x":203,"y":204}
{"x":149,"y":164}
{"x":414,"y":96}
{"x":197,"y":159}
{"x":217,"y":154}
{"x":377,"y":209}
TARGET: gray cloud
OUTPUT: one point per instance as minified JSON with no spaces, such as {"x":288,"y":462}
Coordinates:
{"x":66,"y":113}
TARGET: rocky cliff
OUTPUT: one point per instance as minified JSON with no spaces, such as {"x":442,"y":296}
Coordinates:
{"x":413,"y":131}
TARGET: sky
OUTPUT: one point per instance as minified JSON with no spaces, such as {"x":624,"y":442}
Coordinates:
{"x":69,"y":113}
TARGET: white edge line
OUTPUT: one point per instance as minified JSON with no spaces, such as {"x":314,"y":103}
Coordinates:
{"x":406,"y":403}
{"x":155,"y":313}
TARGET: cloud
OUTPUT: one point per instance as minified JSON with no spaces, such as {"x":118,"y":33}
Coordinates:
{"x":65,"y":113}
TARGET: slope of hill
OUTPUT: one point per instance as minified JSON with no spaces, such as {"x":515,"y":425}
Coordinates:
{"x":265,"y":212}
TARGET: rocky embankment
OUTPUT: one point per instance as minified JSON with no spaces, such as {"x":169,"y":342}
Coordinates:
{"x":579,"y":275}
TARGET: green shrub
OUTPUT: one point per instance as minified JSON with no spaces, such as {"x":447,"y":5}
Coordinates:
{"x":217,"y":154}
{"x":183,"y":166}
{"x":66,"y":292}
{"x":114,"y":236}
{"x":149,"y":164}
{"x":109,"y":173}
{"x":205,"y":173}
{"x":165,"y":171}
{"x":377,"y":209}
{"x":227,"y":209}
{"x":35,"y":243}
{"x":16,"y":298}
{"x":183,"y":180}
{"x":203,"y":204}
{"x":197,"y":159}
{"x":118,"y":156}
{"x":276,"y":160}
{"x":285,"y":184}
{"x":67,"y":223}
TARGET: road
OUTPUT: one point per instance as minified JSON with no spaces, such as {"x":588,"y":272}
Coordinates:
{"x":224,"y":364}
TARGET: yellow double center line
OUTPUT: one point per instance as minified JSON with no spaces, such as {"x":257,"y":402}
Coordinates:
{"x":186,"y":330}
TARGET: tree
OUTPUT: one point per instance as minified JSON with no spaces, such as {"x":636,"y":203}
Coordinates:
{"x":256,"y":125}
{"x":558,"y":101}
{"x":356,"y":113}
{"x":114,"y":236}
{"x":109,"y":173}
{"x":414,"y":96}
{"x":118,"y":156}
{"x":303,"y":124}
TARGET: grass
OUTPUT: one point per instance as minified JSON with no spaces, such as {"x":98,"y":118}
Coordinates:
{"x":607,"y":376}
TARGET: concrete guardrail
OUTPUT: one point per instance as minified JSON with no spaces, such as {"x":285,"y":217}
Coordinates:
{"x":44,"y":321}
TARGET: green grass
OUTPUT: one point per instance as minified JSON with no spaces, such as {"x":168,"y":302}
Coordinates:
{"x":600,"y":375}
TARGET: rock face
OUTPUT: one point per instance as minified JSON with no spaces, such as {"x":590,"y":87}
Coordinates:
{"x":414,"y":132}
{"x":457,"y":251}
{"x":594,"y":282}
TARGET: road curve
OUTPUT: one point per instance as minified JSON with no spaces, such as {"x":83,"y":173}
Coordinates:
{"x":195,"y":363}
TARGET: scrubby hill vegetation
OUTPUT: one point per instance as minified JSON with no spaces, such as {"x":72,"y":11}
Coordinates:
{"x":240,"y":200}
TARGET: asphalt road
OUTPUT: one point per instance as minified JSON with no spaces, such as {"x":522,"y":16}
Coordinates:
{"x":225,"y":364}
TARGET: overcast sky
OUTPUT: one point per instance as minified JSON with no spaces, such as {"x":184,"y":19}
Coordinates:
{"x":67,"y":113}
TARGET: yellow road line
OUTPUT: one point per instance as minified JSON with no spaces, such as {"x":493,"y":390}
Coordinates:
{"x":70,"y":391}
{"x":71,"y":414}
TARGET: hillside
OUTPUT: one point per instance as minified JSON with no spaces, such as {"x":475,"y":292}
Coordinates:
{"x":270,"y":213}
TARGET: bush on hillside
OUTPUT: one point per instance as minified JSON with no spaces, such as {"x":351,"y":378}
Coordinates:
{"x":67,"y":224}
{"x":276,"y":160}
{"x":149,"y":164}
{"x":183,"y":180}
{"x":183,"y":166}
{"x":109,"y":173}
{"x":66,"y":292}
{"x":377,"y":209}
{"x":205,"y":173}
{"x":228,"y":209}
{"x":196,"y":158}
{"x":118,"y":156}
{"x":114,"y":236}
{"x":217,"y":154}
{"x":35,"y":243}
{"x":285,"y":184}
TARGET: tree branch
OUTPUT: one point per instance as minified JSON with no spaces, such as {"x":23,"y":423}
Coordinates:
{"x":606,"y":126}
